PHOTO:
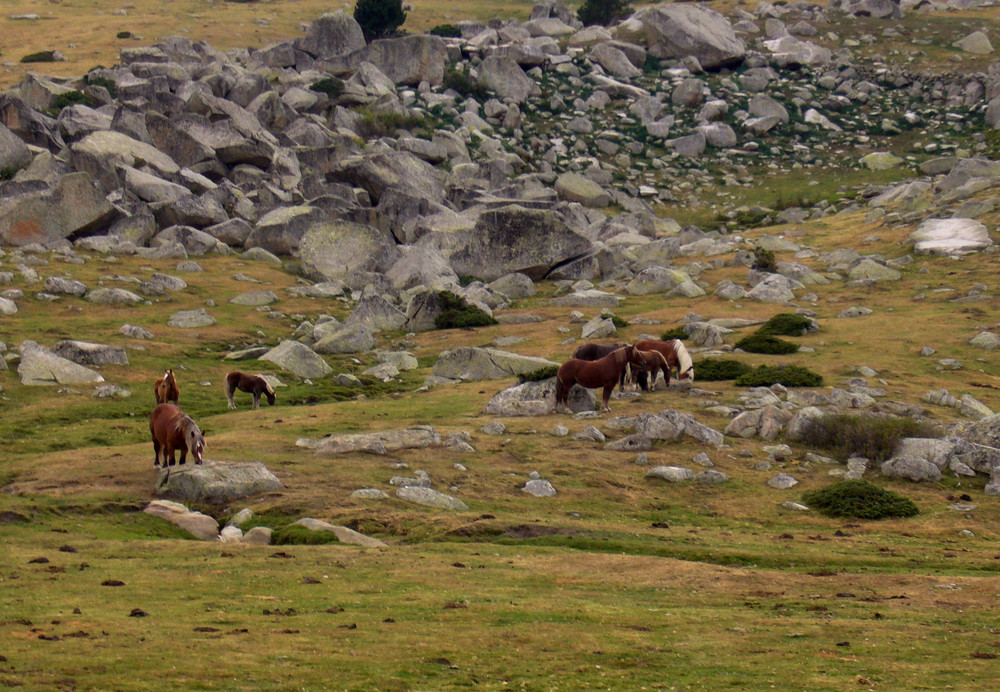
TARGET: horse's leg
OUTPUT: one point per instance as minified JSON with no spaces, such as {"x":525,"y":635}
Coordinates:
{"x":168,"y":452}
{"x":156,"y":452}
{"x":256,"y":399}
{"x":607,"y":396}
{"x":184,"y":453}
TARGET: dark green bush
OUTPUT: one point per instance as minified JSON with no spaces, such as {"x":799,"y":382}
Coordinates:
{"x":674,"y":333}
{"x":386,"y":124}
{"x":40,"y":56}
{"x":762,"y":343}
{"x":457,"y":313}
{"x":763,"y":260}
{"x":70,"y":98}
{"x":788,"y":375}
{"x":124,"y":34}
{"x":466,"y":279}
{"x":299,"y":535}
{"x":786,"y":324}
{"x":859,"y":499}
{"x":446,"y":31}
{"x":7,"y":173}
{"x":465,"y":85}
{"x":602,"y":12}
{"x":379,"y":18}
{"x":715,"y":369}
{"x":540,"y":374}
{"x":853,"y":435}
{"x":331,"y":86}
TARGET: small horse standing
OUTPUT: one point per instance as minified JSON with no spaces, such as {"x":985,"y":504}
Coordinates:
{"x":677,"y":357}
{"x":166,"y":389}
{"x":252,"y":384}
{"x":172,"y":429}
{"x":606,"y":373}
{"x":653,"y":362}
{"x":592,"y":351}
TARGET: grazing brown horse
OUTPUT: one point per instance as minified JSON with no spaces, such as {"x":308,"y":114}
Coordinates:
{"x":172,"y":429}
{"x":252,"y":384}
{"x":676,"y":354}
{"x":652,"y":362}
{"x":606,"y":373}
{"x":166,"y":389}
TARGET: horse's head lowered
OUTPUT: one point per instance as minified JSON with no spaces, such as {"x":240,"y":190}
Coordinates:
{"x":193,"y":438}
{"x":268,"y":391}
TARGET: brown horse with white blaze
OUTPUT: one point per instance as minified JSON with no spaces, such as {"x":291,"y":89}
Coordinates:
{"x":172,"y":430}
{"x":605,"y":372}
{"x":166,"y":389}
{"x":252,"y":384}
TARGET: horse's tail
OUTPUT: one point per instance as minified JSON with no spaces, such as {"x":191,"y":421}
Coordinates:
{"x":560,"y":391}
{"x":229,"y":386}
{"x":685,"y":367}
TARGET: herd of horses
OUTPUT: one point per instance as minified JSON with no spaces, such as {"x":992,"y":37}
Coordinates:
{"x":173,"y":430}
{"x":603,"y":365}
{"x":592,"y":366}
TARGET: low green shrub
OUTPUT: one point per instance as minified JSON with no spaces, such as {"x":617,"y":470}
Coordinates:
{"x":674,"y":333}
{"x":40,"y":56}
{"x":763,"y":260}
{"x":763,"y":343}
{"x":70,"y":98}
{"x":106,"y":82}
{"x":787,"y":375}
{"x":456,"y":313}
{"x":299,"y":535}
{"x":124,"y":34}
{"x":786,"y":324}
{"x":331,"y":86}
{"x":855,"y":435}
{"x":540,"y":374}
{"x":859,"y":499}
{"x":466,"y":279}
{"x":386,"y":124}
{"x":619,"y":322}
{"x":446,"y":31}
{"x":8,"y":172}
{"x":716,"y":369}
{"x":602,"y":12}
{"x":465,"y":85}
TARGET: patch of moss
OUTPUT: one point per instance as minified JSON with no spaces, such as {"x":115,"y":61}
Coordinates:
{"x":787,"y":324}
{"x":331,"y":86}
{"x":763,"y":343}
{"x":294,"y":534}
{"x":105,"y":82}
{"x":787,"y":375}
{"x":456,"y":313}
{"x":446,"y":31}
{"x":70,"y":98}
{"x":716,"y":369}
{"x":40,"y":56}
{"x":466,"y":279}
{"x":465,"y":85}
{"x":619,"y":322}
{"x":859,"y":499}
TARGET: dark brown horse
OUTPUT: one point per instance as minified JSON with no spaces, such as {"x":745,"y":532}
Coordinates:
{"x":172,"y":429}
{"x":606,"y":373}
{"x":166,"y":389}
{"x":252,"y":384}
{"x":676,"y":354}
{"x":653,"y":362}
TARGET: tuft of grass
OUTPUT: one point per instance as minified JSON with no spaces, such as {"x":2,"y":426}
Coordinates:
{"x":859,"y":499}
{"x":872,"y":437}
{"x":8,"y":173}
{"x":374,"y":124}
{"x":464,"y":85}
{"x":70,"y":98}
{"x":105,"y":82}
{"x":537,"y":375}
{"x":716,"y":369}
{"x":762,"y":343}
{"x":300,"y":535}
{"x":619,"y":322}
{"x":786,"y":324}
{"x":457,"y":313}
{"x":466,"y":279}
{"x":123,"y":34}
{"x":787,"y":375}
